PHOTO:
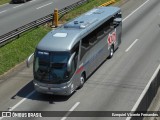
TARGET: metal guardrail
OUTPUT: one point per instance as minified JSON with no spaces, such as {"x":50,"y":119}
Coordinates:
{"x":71,"y":7}
{"x":4,"y":38}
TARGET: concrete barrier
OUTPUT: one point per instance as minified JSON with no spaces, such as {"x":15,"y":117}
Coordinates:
{"x":147,"y":96}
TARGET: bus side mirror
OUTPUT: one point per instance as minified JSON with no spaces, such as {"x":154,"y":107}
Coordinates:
{"x":69,"y":64}
{"x":30,"y":60}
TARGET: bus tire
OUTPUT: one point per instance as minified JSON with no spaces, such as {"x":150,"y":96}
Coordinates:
{"x":82,"y":80}
{"x":111,"y":52}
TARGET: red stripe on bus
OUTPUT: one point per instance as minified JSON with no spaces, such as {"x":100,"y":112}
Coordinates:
{"x":79,"y":70}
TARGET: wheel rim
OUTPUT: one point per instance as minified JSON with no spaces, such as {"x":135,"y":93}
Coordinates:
{"x":82,"y":80}
{"x":112,"y":51}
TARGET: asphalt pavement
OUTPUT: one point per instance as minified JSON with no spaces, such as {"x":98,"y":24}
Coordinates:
{"x":13,"y":16}
{"x":115,"y":86}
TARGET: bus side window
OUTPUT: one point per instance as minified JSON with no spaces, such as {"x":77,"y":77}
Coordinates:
{"x":92,"y":38}
{"x":85,"y":46}
{"x":111,"y":23}
{"x":100,"y":32}
{"x":85,"y":42}
{"x":107,"y":28}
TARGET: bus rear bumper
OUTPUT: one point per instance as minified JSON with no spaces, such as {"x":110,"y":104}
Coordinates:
{"x":65,"y":90}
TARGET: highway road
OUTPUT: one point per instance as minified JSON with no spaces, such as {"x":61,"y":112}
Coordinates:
{"x":13,"y":16}
{"x":115,"y":86}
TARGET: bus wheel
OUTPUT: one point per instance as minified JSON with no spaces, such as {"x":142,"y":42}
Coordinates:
{"x":82,"y":80}
{"x":111,"y":52}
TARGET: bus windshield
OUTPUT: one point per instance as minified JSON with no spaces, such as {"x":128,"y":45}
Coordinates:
{"x":51,"y":67}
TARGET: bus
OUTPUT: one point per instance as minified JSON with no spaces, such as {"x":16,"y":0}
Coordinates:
{"x":67,"y":56}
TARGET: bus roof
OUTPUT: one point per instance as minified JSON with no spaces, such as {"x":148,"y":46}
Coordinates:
{"x":66,"y":36}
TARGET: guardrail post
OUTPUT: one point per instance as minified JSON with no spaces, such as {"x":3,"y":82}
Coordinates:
{"x":55,"y":19}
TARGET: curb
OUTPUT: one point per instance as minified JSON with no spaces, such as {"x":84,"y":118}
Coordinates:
{"x":13,"y":71}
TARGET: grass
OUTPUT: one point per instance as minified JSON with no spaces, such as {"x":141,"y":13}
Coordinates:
{"x":4,"y":1}
{"x":84,"y":8}
{"x":18,"y":50}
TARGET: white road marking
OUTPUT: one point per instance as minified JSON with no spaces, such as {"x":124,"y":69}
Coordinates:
{"x":144,"y":91}
{"x":141,"y":96}
{"x":44,"y":5}
{"x":13,"y":7}
{"x":131,"y":45}
{"x":18,"y":6}
{"x":69,"y":112}
{"x":3,"y":11}
{"x":130,"y":16}
{"x":135,"y":10}
{"x":20,"y":102}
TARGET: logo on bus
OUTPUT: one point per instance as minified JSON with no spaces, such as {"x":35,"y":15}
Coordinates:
{"x":112,"y":38}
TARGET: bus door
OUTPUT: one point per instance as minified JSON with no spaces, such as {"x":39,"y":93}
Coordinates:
{"x":93,"y":51}
{"x":118,"y":27}
{"x":87,"y":54}
{"x":100,"y":45}
{"x":74,"y":65}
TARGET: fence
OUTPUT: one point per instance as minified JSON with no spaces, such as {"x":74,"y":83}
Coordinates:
{"x":4,"y":38}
